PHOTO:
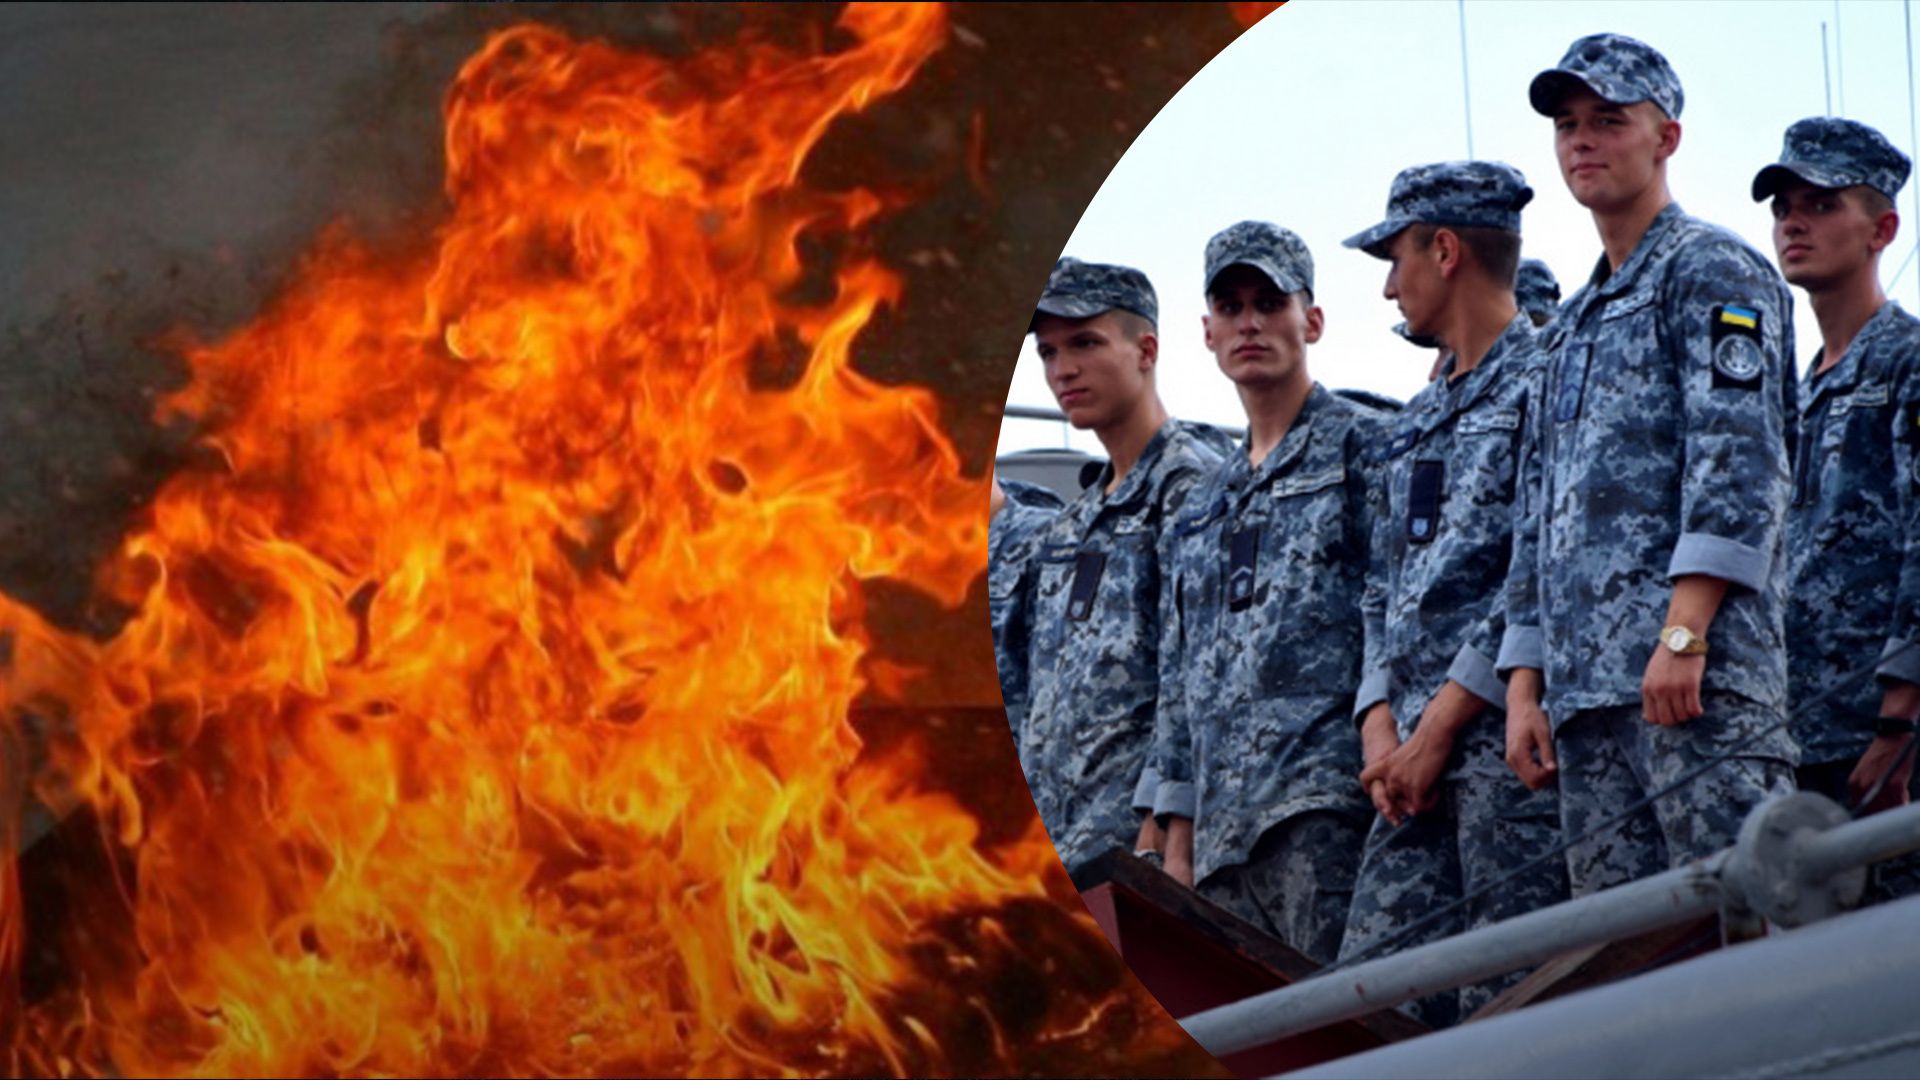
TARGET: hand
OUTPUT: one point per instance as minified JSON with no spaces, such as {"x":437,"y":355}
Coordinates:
{"x":1179,"y":850}
{"x":999,"y":498}
{"x":1883,"y":752}
{"x":1411,"y":775}
{"x":1151,"y":838}
{"x":1379,"y":738}
{"x":1529,"y":736}
{"x":1670,"y":691}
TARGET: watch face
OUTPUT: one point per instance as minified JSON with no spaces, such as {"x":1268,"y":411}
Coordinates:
{"x":1677,"y":638}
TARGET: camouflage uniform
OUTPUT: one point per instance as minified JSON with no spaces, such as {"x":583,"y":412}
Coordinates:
{"x":1537,"y":291}
{"x":1012,"y":537}
{"x":1095,"y":593}
{"x":1856,"y":499}
{"x":1434,"y":613}
{"x":1260,"y":652}
{"x":1660,"y":451}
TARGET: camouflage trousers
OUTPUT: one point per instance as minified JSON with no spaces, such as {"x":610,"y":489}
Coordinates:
{"x":1612,"y":758}
{"x":1482,"y":829}
{"x":1296,"y":883}
{"x":1889,"y":880}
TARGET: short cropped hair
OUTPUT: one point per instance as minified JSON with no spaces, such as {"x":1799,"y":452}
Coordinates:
{"x":1496,"y":250}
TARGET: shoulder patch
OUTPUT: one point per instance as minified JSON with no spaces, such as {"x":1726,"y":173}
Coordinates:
{"x":1738,"y":363}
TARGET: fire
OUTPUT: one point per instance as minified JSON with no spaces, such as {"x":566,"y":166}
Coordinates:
{"x":485,"y":708}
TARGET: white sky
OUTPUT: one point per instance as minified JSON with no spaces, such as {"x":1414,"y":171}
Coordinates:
{"x":1307,"y":117}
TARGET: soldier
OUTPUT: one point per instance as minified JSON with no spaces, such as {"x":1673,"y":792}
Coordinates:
{"x":1853,"y":534}
{"x":1662,"y":452}
{"x":1452,"y":815}
{"x":1261,"y":635}
{"x":1021,"y":513}
{"x":1095,"y":575}
{"x":1537,"y":292}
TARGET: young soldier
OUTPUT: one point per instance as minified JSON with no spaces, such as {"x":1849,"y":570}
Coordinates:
{"x":1095,"y":576}
{"x":1537,"y":292}
{"x":1662,"y":449}
{"x":1853,"y":535}
{"x":1021,"y":513}
{"x":1452,"y":815}
{"x":1261,"y":633}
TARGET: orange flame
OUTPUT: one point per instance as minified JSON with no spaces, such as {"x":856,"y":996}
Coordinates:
{"x":485,"y":709}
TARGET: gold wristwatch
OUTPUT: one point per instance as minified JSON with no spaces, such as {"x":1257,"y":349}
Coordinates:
{"x":1682,"y":641}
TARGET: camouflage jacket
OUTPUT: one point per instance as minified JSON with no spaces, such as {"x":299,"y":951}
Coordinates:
{"x":1853,"y":535}
{"x":1094,"y":680}
{"x":1660,"y":450}
{"x":1261,"y":635}
{"x":1434,"y":605}
{"x":1012,"y":537}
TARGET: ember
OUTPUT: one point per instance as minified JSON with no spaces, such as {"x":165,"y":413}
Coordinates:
{"x":485,"y":708}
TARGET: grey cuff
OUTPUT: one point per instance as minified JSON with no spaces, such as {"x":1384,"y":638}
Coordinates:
{"x":1905,"y":666}
{"x":1146,"y":789}
{"x":1176,"y":798}
{"x":1717,"y":556}
{"x":1521,"y":647}
{"x":1473,"y":670}
{"x":1373,"y":690}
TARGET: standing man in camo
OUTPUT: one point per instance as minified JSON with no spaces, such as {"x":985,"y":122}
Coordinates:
{"x":1021,"y":514}
{"x":1452,"y":817}
{"x":1853,"y":534}
{"x":1537,"y":292}
{"x":1094,"y":573}
{"x":1650,"y":597}
{"x":1261,"y":630}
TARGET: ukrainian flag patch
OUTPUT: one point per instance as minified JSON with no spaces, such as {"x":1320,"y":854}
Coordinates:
{"x":1745,"y":318}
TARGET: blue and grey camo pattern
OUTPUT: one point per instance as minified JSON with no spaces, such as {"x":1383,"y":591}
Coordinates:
{"x":1260,"y":657}
{"x":1536,"y":291}
{"x":1297,"y":883}
{"x":1477,"y":834}
{"x":1012,"y":538}
{"x":1433,"y":606}
{"x":1661,"y":451}
{"x":1612,"y":758}
{"x":1276,"y":252}
{"x":1829,"y":152}
{"x":1467,"y":194}
{"x":1853,"y":536}
{"x":1614,"y":66}
{"x":1081,"y":290}
{"x":1094,"y":679}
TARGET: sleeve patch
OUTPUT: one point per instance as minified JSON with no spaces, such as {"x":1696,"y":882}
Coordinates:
{"x":1738,"y":363}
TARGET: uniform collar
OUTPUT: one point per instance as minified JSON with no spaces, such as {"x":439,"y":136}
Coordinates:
{"x":1140,"y":477}
{"x":1606,"y":283}
{"x":1852,"y":365}
{"x":1293,"y":445}
{"x":1485,"y":375}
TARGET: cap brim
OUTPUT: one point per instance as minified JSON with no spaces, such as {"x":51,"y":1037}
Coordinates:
{"x":1768,"y":181}
{"x":1551,"y":87}
{"x":1066,"y":307}
{"x":1283,"y":281}
{"x":1373,"y":240}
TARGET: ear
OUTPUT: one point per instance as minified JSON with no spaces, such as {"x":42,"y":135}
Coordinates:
{"x":1446,"y":252}
{"x":1206,"y":330}
{"x":1316,"y":323}
{"x":1885,"y":228}
{"x":1669,"y":138}
{"x":1149,"y":345}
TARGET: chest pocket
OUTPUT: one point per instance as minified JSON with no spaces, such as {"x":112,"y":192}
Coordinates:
{"x":1850,"y":439}
{"x":1488,"y":443}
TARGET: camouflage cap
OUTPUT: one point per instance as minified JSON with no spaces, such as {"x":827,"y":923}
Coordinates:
{"x":1418,"y":341}
{"x":1614,"y":66}
{"x":1268,"y":248}
{"x":1081,"y":290}
{"x":1535,"y":289}
{"x":1829,"y":152}
{"x":1479,"y":194}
